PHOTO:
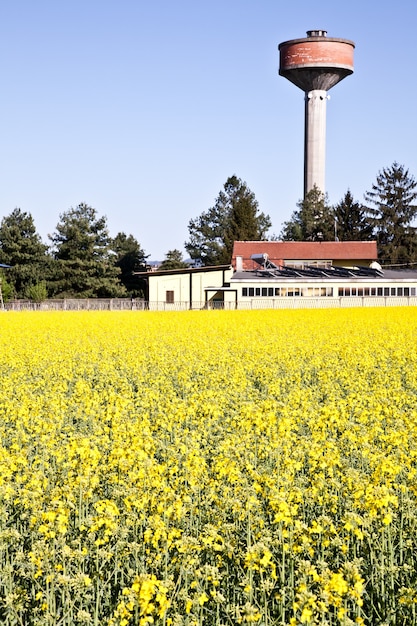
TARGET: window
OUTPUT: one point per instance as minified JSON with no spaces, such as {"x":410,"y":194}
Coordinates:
{"x":406,"y":291}
{"x":270,"y":291}
{"x":244,"y":292}
{"x":386,"y":291}
{"x":251,"y":292}
{"x":257,"y":291}
{"x":393,"y":291}
{"x":264,"y":291}
{"x":277,"y":291}
{"x":379,"y":291}
{"x":399,"y":291}
{"x":303,"y":264}
{"x":293,"y":291}
{"x":169,"y":297}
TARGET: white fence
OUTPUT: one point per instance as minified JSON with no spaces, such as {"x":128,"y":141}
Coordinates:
{"x":76,"y":304}
{"x":327,"y":302}
{"x":126,"y":304}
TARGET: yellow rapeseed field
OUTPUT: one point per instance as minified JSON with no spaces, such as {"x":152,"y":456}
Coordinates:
{"x":208,"y":468}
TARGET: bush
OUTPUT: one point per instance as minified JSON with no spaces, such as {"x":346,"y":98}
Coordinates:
{"x":6,"y":289}
{"x":37,"y":293}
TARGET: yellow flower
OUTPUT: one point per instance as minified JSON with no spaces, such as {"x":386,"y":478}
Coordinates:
{"x":203,"y":598}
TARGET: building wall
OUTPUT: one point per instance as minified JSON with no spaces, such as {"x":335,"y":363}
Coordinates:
{"x":187,"y":287}
{"x":270,"y":289}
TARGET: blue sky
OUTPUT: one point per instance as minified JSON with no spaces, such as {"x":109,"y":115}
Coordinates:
{"x":143,"y":109}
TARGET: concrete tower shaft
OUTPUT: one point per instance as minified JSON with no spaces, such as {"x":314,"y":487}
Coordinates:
{"x":315,"y":64}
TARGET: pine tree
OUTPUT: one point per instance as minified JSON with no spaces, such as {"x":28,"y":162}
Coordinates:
{"x":82,"y":247}
{"x":22,"y":248}
{"x":173,"y":261}
{"x":314,"y":220}
{"x":234,"y":217}
{"x":130,"y":258}
{"x":352,"y":222}
{"x":394,"y":200}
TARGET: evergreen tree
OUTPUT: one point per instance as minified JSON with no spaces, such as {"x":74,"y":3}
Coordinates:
{"x":130,"y":258}
{"x":314,"y":220}
{"x":82,"y":247}
{"x":352,"y":220}
{"x":173,"y":261}
{"x":234,"y":217}
{"x":22,"y":248}
{"x":206,"y":242}
{"x":394,"y":200}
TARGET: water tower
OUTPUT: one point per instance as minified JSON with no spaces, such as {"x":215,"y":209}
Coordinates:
{"x":315,"y":64}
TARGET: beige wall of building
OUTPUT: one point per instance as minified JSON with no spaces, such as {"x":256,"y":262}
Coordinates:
{"x":186,"y":287}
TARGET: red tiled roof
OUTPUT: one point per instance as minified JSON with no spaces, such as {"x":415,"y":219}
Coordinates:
{"x":281,"y":251}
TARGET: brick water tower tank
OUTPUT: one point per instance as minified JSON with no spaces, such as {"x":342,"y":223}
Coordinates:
{"x":315,"y":64}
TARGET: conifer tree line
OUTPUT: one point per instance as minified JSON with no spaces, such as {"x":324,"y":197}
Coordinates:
{"x":82,"y":260}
